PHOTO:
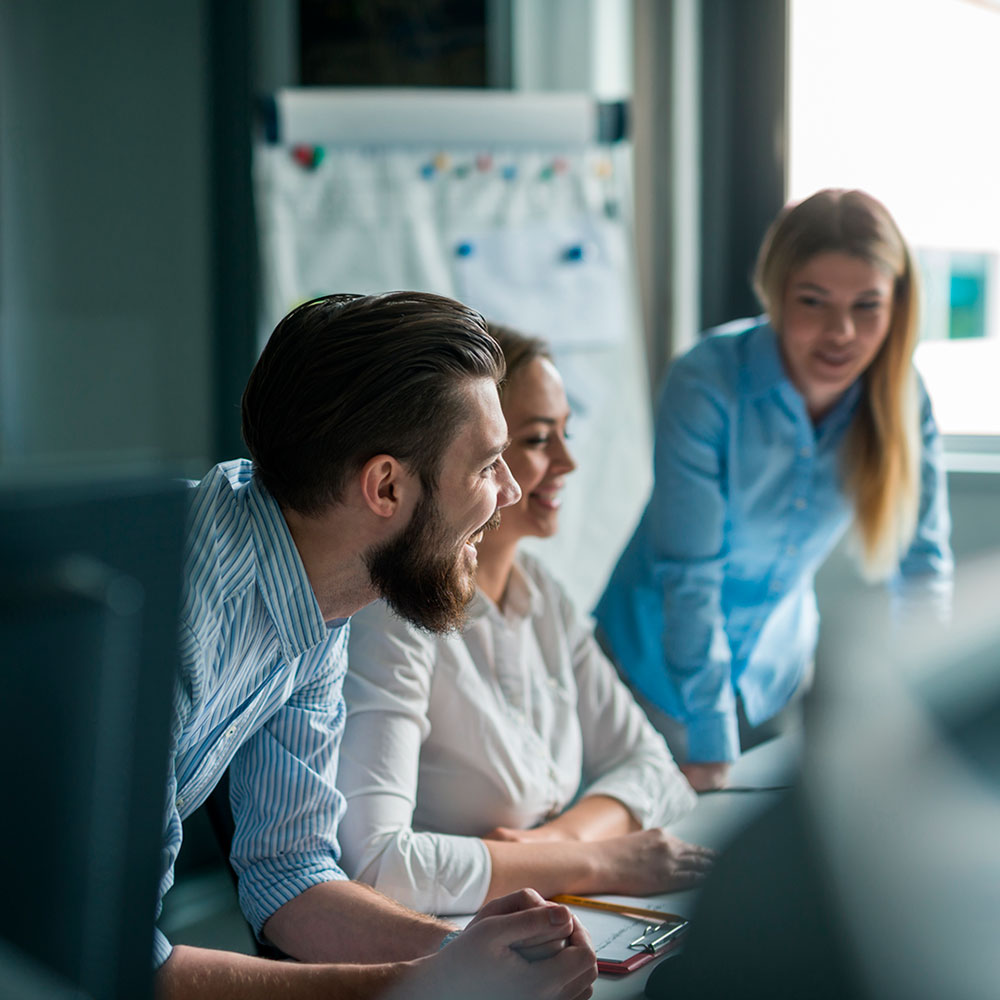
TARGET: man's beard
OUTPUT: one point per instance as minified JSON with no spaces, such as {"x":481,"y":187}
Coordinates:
{"x":419,"y":574}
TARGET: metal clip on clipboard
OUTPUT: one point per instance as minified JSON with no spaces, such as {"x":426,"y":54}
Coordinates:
{"x":656,"y":936}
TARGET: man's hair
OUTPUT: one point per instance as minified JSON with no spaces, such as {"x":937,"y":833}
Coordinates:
{"x":347,"y":377}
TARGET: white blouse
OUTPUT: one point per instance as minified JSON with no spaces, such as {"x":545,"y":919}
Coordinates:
{"x":504,"y":724}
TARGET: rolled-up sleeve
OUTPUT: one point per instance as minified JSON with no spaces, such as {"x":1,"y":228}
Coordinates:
{"x":688,"y":518}
{"x":387,"y":692}
{"x":285,"y":802}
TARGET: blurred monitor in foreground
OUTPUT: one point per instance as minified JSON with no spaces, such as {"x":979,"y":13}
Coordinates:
{"x":89,"y":585}
{"x":878,"y":876}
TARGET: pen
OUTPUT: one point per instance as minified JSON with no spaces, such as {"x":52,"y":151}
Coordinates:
{"x":625,"y":909}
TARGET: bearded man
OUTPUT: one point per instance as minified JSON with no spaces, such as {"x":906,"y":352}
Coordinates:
{"x":376,"y":434}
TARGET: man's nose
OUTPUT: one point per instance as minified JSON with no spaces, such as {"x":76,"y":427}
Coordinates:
{"x":509,"y":492}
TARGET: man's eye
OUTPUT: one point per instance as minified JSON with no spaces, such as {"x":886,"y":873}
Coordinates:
{"x":537,"y":442}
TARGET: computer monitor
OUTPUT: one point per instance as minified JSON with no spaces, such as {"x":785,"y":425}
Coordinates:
{"x":878,"y":875}
{"x":89,"y":589}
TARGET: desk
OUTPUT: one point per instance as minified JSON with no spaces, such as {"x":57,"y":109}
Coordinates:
{"x":714,"y":821}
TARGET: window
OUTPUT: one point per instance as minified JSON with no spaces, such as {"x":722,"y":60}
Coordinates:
{"x":899,"y":97}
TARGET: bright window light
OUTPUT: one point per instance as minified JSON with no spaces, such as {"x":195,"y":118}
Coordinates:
{"x":900,"y":97}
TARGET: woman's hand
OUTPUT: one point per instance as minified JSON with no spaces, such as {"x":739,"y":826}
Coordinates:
{"x":707,"y":776}
{"x":650,"y":862}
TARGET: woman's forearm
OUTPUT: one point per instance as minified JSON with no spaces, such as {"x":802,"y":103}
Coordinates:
{"x":594,"y":817}
{"x":636,"y":864}
{"x":549,"y":867}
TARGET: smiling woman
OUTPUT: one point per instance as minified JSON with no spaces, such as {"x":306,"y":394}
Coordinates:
{"x":774,"y":436}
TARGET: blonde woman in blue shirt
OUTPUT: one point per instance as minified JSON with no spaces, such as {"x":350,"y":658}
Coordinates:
{"x":774,"y":436}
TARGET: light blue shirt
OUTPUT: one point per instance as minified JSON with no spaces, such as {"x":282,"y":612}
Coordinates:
{"x":713,"y":597}
{"x":259,"y":692}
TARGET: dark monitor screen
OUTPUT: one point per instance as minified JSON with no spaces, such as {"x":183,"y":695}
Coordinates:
{"x":89,"y":588}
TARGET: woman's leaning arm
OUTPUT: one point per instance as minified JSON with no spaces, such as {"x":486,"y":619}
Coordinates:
{"x":924,"y":581}
{"x":687,"y":518}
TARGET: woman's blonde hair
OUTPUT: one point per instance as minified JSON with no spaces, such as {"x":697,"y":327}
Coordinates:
{"x":881,"y":455}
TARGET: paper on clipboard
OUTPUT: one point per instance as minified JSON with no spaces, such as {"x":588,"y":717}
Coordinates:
{"x":615,"y":937}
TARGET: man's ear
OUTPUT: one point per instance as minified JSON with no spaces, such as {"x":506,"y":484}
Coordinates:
{"x":386,"y":485}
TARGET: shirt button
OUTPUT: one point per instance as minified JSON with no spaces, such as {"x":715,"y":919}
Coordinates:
{"x":805,"y":453}
{"x":800,"y":503}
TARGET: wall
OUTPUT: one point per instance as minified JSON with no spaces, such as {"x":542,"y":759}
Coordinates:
{"x":105,"y":313}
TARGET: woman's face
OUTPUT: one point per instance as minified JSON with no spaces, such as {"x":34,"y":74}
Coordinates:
{"x":536,"y":410}
{"x":835,"y":316}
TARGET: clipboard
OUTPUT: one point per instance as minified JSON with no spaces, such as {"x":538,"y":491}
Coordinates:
{"x":627,"y":938}
{"x":655,"y":941}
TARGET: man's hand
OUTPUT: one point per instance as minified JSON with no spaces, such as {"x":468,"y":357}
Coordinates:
{"x":516,"y":946}
{"x":705,"y":777}
{"x":550,"y":943}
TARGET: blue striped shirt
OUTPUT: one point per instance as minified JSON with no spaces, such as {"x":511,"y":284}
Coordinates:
{"x":259,"y":692}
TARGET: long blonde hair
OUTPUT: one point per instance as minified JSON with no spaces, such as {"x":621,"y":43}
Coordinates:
{"x":881,"y":452}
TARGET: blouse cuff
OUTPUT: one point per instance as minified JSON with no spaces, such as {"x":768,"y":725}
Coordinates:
{"x":715,"y":738}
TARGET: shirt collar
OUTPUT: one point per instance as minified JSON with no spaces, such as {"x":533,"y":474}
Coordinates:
{"x":522,"y":597}
{"x":764,"y":371}
{"x":281,"y":577}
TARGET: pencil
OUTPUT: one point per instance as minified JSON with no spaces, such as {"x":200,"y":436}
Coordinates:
{"x":625,"y":909}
